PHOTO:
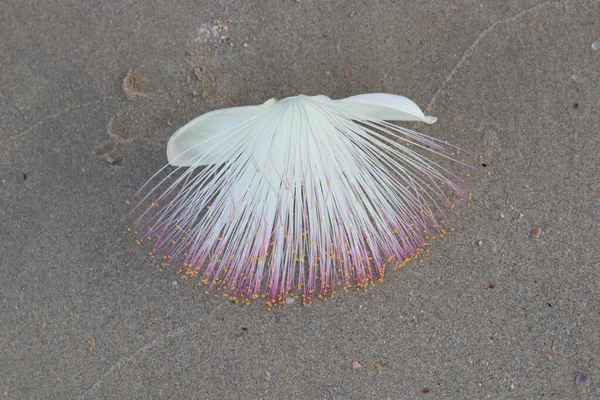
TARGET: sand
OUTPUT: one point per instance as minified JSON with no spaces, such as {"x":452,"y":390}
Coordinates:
{"x":90,"y":93}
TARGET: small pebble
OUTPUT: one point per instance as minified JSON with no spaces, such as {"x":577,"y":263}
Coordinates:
{"x":536,"y":232}
{"x":480,"y":243}
{"x":596,"y":46}
{"x":355,"y":365}
{"x":502,"y":215}
{"x":580,"y":378}
{"x":174,"y":283}
{"x":290,"y":300}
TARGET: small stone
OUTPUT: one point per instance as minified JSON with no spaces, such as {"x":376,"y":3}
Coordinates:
{"x":174,"y":283}
{"x":480,"y":243}
{"x":502,"y":215}
{"x":580,"y":378}
{"x":576,"y":78}
{"x":536,"y":232}
{"x":290,"y":300}
{"x":596,"y":46}
{"x":355,"y":365}
{"x":114,"y":159}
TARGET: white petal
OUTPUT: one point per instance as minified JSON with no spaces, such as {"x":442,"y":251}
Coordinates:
{"x":383,"y":106}
{"x":197,"y":142}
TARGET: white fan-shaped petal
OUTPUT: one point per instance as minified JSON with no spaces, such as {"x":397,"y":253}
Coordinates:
{"x":197,"y":142}
{"x":383,"y":106}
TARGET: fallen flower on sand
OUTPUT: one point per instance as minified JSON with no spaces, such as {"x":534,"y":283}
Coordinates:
{"x":298,"y":197}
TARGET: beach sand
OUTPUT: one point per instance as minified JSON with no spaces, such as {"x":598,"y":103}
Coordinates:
{"x":90,"y":93}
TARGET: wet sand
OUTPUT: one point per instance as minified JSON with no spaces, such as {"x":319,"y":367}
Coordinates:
{"x":89,"y":95}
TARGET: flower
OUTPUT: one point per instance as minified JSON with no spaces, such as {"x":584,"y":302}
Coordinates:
{"x":298,"y":197}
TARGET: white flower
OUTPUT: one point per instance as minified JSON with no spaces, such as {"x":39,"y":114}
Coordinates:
{"x":299,"y":196}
